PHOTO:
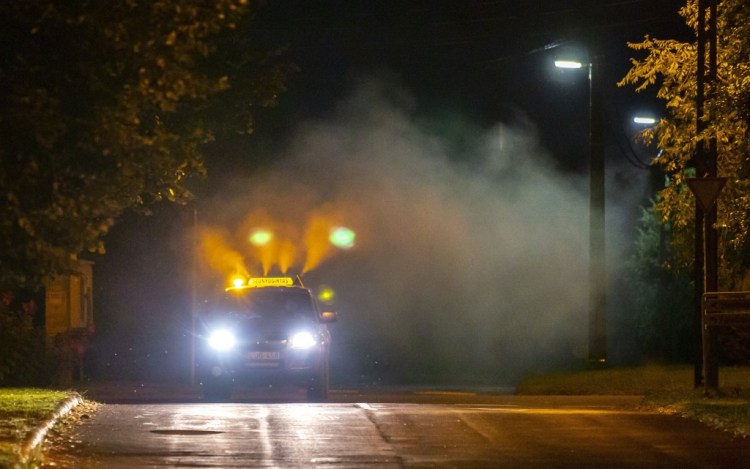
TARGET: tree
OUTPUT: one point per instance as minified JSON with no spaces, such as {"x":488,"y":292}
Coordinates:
{"x":662,"y":327}
{"x":104,"y":108}
{"x":671,"y":65}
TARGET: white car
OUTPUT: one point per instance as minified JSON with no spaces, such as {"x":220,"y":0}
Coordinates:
{"x":266,"y":330}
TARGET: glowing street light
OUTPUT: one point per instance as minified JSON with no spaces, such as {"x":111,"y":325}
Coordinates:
{"x":342,"y":237}
{"x":644,"y":120}
{"x":261,"y":237}
{"x":568,"y":64}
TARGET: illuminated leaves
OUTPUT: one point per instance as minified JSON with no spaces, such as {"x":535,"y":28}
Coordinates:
{"x":671,"y":66}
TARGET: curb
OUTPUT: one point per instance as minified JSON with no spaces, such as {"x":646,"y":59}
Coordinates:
{"x":35,"y":437}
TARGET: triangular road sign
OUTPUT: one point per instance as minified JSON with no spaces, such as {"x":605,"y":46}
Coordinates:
{"x":706,"y":190}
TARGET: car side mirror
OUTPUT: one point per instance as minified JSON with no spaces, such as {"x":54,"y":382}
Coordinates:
{"x":328,"y":317}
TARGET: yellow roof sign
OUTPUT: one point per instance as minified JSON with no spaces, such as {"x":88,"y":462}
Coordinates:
{"x":258,"y":282}
{"x":270,"y":282}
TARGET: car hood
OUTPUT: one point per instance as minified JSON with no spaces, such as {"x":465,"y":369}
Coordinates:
{"x":263,"y":329}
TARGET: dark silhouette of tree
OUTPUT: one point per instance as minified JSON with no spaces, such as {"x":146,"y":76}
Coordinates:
{"x":104,"y":108}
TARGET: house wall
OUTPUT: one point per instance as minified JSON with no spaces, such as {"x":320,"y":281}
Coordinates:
{"x":69,"y":302}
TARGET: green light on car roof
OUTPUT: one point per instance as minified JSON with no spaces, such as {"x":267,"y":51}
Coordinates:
{"x":342,"y":237}
{"x":261,"y":237}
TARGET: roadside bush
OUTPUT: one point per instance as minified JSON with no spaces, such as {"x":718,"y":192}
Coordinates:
{"x":23,"y":360}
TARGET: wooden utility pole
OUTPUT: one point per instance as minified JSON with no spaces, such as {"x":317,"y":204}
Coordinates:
{"x":597,"y":245}
{"x":706,"y":261}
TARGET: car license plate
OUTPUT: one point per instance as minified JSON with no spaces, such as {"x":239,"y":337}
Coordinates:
{"x":264,"y":355}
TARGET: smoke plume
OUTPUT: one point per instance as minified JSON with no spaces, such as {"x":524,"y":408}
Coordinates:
{"x":470,"y":263}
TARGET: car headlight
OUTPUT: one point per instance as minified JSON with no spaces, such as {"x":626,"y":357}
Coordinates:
{"x":303,"y":340}
{"x":221,"y":340}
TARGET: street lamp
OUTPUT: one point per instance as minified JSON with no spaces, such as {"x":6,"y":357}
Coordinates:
{"x":644,"y":120}
{"x":567,"y":64}
{"x":597,"y":260}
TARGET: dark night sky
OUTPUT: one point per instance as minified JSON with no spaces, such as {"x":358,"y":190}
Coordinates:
{"x":483,"y":58}
{"x":486,"y":61}
{"x":489,"y":61}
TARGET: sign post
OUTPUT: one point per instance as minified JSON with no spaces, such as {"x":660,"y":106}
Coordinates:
{"x":706,"y":191}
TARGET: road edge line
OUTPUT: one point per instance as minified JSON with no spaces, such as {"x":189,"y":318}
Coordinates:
{"x":36,"y":436}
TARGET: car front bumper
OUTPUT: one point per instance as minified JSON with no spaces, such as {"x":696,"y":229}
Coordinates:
{"x":261,"y":365}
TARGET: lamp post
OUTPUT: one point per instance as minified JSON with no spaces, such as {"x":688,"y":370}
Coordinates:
{"x":597,"y":260}
{"x":194,"y":295}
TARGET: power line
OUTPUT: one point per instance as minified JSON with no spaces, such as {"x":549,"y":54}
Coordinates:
{"x":544,"y":48}
{"x":354,"y":24}
{"x":631,"y":157}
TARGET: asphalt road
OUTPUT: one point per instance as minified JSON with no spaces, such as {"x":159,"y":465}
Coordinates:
{"x":397,"y":430}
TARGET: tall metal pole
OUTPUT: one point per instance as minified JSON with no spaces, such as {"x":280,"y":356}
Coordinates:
{"x":597,"y":261}
{"x":194,"y":294}
{"x":698,"y":281}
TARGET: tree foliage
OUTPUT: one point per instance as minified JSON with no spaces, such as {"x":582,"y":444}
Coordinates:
{"x":105,"y":106}
{"x":671,"y":66}
{"x":23,"y":360}
{"x":664,"y":295}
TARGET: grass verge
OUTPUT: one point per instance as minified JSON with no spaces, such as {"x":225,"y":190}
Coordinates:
{"x":21,"y":409}
{"x":666,"y":389}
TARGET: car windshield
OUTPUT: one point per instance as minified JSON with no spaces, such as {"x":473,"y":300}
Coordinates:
{"x":271,"y":304}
